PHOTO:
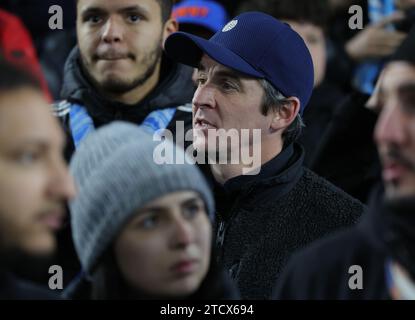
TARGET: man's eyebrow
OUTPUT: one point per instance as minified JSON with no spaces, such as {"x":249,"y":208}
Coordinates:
{"x":39,"y":144}
{"x":135,"y":8}
{"x":224,"y":73}
{"x":92,"y":10}
{"x":230,"y":74}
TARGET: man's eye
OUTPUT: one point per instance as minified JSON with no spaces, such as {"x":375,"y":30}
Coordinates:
{"x":226,"y":85}
{"x":134,"y":18}
{"x":27,"y":158}
{"x":94,"y":19}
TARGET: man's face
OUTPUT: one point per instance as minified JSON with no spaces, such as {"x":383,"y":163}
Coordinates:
{"x":395,"y":129}
{"x":225,"y":99}
{"x":120,"y":42}
{"x":34,"y":180}
{"x":315,"y":40}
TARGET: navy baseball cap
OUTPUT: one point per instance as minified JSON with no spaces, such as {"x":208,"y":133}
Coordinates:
{"x":205,"y":13}
{"x":255,"y":44}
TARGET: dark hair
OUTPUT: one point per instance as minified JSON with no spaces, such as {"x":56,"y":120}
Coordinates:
{"x":275,"y":100}
{"x":13,"y":77}
{"x":165,"y":6}
{"x":315,"y":12}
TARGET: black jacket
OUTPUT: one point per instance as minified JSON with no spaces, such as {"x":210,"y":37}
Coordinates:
{"x":347,"y":155}
{"x":13,"y":288}
{"x":322,"y":270}
{"x":263,"y":219}
{"x":175,"y":89}
{"x":317,"y":117}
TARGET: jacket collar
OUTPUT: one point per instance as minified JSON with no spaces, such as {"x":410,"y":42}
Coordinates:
{"x":278,"y":176}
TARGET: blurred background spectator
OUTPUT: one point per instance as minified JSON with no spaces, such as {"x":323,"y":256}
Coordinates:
{"x":200,"y":17}
{"x":16,"y":47}
{"x":52,"y":46}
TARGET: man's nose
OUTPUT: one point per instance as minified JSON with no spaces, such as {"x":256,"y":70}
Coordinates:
{"x":113,"y":30}
{"x":391,"y":126}
{"x":204,"y":97}
{"x":61,"y":183}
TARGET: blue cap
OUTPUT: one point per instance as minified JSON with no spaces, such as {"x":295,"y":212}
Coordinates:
{"x":204,"y":13}
{"x":257,"y":45}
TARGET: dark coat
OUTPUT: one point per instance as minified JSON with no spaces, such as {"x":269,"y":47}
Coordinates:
{"x":322,"y":270}
{"x":174,"y":89}
{"x":265,"y":218}
{"x":347,"y":155}
{"x":13,"y":288}
{"x":317,"y":117}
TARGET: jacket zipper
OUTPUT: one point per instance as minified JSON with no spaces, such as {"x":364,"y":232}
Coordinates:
{"x":220,"y":237}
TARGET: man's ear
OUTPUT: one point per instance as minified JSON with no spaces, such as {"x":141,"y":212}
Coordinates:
{"x":286,"y":114}
{"x":170,"y":27}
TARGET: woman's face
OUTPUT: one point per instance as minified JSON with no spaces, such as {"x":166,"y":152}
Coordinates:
{"x":164,"y":251}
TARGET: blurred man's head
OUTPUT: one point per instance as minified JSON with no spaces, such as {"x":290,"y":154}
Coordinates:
{"x":121,"y":43}
{"x":395,"y":129}
{"x":34,"y":180}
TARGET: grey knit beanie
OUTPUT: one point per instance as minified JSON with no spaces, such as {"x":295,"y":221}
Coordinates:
{"x":116,"y":174}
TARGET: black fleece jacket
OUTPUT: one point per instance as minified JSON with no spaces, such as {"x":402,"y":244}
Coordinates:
{"x":263,"y":219}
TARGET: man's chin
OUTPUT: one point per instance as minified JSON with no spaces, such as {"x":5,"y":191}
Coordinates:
{"x":116,"y":85}
{"x":395,"y":192}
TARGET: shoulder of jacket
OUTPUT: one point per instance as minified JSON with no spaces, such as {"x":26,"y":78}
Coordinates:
{"x":313,"y":180}
{"x":61,"y":108}
{"x":327,"y":190}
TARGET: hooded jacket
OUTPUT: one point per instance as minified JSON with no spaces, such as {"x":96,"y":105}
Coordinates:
{"x":263,"y":219}
{"x":82,"y":102}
